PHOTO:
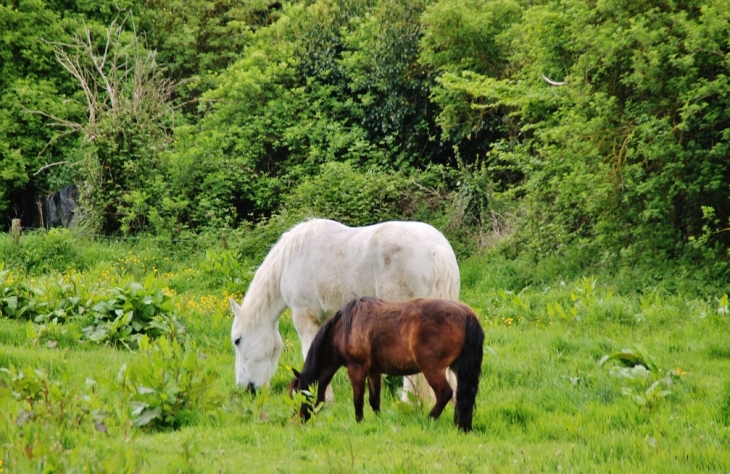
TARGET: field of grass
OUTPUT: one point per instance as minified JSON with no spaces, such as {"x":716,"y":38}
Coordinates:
{"x":546,"y":403}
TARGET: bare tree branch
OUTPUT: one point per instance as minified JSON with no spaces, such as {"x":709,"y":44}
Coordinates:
{"x":50,"y":166}
{"x":119,"y":79}
{"x":551,"y":82}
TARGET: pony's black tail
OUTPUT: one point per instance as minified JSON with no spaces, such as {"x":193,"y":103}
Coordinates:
{"x":468,"y":373}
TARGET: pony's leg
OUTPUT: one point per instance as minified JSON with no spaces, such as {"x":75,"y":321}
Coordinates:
{"x":374,"y":384}
{"x":357,"y":375}
{"x":307,"y":324}
{"x":437,"y":380}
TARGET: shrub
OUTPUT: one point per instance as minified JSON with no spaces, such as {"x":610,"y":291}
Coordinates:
{"x":42,"y":252}
{"x":47,"y":399}
{"x":166,"y":387}
{"x":356,"y":197}
{"x":227,"y":268}
{"x":17,"y":298}
{"x":118,"y":316}
{"x":131,"y":311}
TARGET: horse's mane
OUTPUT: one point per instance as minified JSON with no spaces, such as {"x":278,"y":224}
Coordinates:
{"x":349,"y":308}
{"x":312,"y":361}
{"x":265,"y":288}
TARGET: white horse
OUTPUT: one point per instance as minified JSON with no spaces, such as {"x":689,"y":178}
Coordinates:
{"x":319,"y":265}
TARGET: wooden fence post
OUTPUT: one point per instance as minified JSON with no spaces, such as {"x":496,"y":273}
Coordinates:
{"x":15,"y":230}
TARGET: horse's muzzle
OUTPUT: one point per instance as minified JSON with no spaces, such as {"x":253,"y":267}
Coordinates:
{"x":251,"y":388}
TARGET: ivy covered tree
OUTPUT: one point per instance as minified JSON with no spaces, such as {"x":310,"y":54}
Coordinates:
{"x":38,"y":96}
{"x":629,"y":156}
{"x":329,"y":81}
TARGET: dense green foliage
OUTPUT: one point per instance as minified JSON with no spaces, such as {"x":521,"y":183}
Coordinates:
{"x":630,"y":155}
{"x":449,"y":111}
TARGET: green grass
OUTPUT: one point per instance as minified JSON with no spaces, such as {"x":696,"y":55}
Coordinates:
{"x":544,"y":404}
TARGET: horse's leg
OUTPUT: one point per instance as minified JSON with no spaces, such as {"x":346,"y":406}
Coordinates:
{"x":374,"y":384}
{"x":451,"y":378}
{"x":436,"y":378}
{"x":418,"y":386}
{"x":357,"y":374}
{"x":307,"y":324}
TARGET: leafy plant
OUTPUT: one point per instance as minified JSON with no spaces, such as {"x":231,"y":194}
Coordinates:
{"x":638,"y":368}
{"x":65,"y":300}
{"x":414,"y":406}
{"x":301,"y":398}
{"x":131,"y":311}
{"x":631,"y":358}
{"x":167,"y":386}
{"x":227,"y":268}
{"x":722,"y":306}
{"x":649,"y":397}
{"x":52,"y":331}
{"x":47,"y":399}
{"x":17,"y":298}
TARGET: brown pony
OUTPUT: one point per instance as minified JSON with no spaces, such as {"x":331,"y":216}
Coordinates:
{"x":372,"y":337}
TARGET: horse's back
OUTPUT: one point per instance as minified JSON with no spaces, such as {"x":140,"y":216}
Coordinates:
{"x":328,"y":263}
{"x":426,"y":320}
{"x":398,"y":336}
{"x":412,"y":260}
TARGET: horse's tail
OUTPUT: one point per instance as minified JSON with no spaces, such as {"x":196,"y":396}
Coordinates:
{"x":446,"y":280}
{"x":468,"y":373}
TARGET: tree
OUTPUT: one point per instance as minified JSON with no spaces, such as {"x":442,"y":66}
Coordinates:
{"x":128,"y":114}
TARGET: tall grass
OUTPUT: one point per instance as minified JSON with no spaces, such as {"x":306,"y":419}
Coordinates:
{"x":545,"y":402}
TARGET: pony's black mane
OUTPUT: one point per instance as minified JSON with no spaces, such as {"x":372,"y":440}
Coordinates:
{"x":312,"y":362}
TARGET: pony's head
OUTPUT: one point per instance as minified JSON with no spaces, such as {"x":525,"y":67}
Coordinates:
{"x":257,"y":350}
{"x":305,"y":411}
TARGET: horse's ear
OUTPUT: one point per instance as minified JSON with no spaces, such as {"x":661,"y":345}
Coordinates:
{"x":295,"y":371}
{"x":234,"y":306}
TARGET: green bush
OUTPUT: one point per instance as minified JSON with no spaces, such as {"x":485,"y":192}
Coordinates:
{"x":17,"y":298}
{"x":626,"y":156}
{"x":360,"y":197}
{"x":46,"y":399}
{"x":128,"y":313}
{"x":42,"y":252}
{"x":166,"y":386}
{"x":117,"y":316}
{"x":228,"y":269}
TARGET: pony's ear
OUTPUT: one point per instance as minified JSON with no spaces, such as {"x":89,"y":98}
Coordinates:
{"x":295,"y":371}
{"x":234,"y":306}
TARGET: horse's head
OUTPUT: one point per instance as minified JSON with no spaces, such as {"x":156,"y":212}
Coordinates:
{"x":257,"y":351}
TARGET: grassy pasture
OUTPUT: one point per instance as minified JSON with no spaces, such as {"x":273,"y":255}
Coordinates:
{"x":545,"y":402}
